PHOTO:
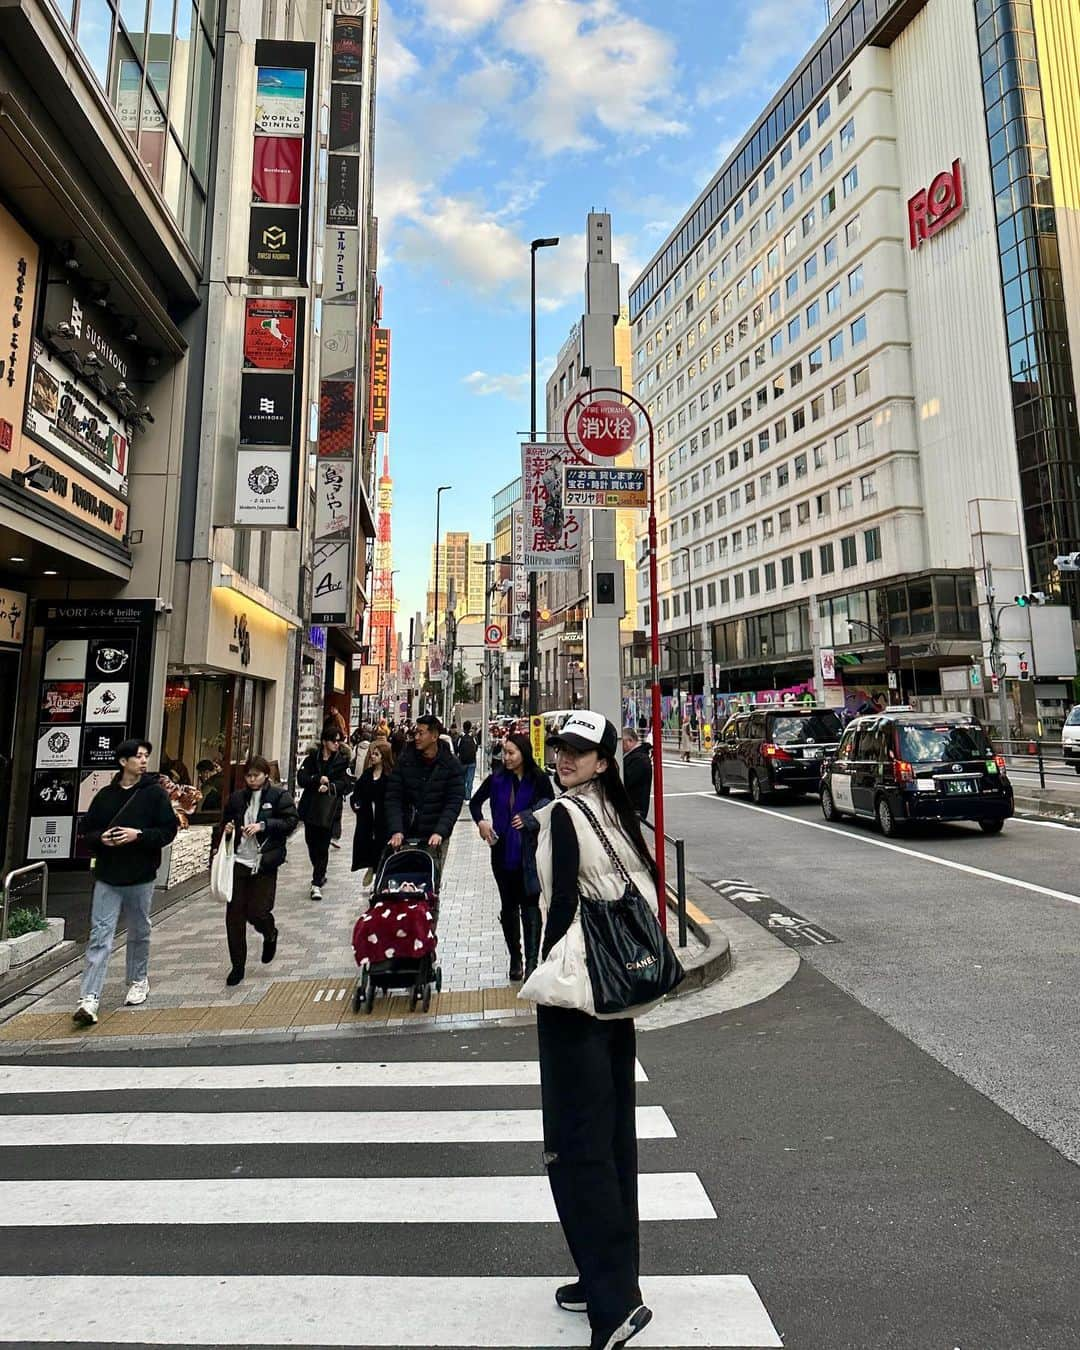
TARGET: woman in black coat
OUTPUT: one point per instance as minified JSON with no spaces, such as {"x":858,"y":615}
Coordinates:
{"x":368,"y":802}
{"x":325,"y":779}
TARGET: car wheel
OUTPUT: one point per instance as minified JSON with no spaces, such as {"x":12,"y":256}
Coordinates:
{"x":757,"y":792}
{"x":721,"y":789}
{"x":828,"y":806}
{"x":886,"y":819}
{"x":991,"y":826}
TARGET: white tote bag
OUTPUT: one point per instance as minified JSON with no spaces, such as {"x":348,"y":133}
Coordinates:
{"x":221,"y":871}
{"x":562,"y":981}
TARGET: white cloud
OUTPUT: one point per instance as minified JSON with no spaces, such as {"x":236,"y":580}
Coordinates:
{"x":507,"y":386}
{"x":397,"y":63}
{"x":774,"y":37}
{"x":461,"y":17}
{"x":592,"y":62}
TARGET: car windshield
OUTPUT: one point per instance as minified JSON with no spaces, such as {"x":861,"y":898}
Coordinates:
{"x":921,"y":745}
{"x":817,"y":728}
{"x":1073,"y":719}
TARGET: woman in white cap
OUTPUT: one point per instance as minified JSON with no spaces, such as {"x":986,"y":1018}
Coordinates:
{"x":590,"y":843}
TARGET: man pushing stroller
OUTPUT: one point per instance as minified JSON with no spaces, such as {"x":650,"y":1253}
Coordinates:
{"x":426,"y":791}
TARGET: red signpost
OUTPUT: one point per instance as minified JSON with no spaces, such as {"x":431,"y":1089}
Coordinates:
{"x":607,"y":427}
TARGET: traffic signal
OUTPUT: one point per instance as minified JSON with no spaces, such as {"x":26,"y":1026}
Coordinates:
{"x":1032,"y":598}
{"x":1067,"y":562}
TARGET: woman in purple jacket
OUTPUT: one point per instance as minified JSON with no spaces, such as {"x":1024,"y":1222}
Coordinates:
{"x":515,"y":791}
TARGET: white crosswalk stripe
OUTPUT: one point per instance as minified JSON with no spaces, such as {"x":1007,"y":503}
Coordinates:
{"x":234,"y":1303}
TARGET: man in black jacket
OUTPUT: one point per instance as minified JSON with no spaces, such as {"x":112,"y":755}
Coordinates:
{"x":129,"y":822}
{"x":637,"y":771}
{"x":259,"y":817}
{"x":466,"y":753}
{"x":426,"y":790}
{"x":326,"y":781}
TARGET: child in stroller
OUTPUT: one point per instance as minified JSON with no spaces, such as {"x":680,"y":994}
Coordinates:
{"x":395,"y":939}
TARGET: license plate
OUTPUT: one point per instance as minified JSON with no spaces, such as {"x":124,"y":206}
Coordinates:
{"x":811,"y":754}
{"x":960,"y":785}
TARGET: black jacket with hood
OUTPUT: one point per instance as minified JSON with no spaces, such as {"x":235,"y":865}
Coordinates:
{"x":319,"y":808}
{"x":145,"y":807}
{"x":277,"y":816}
{"x":422,"y":800}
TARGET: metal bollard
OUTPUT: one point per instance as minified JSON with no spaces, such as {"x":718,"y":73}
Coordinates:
{"x":1042,"y":764}
{"x":680,"y":872}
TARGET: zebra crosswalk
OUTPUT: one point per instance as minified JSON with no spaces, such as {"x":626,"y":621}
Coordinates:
{"x":319,"y":1204}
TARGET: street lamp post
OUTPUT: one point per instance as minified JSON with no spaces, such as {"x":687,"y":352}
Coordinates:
{"x":446,"y":487}
{"x":534,"y":683}
{"x":892,"y":659}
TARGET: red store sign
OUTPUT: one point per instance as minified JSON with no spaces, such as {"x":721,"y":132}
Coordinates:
{"x":932,"y":208}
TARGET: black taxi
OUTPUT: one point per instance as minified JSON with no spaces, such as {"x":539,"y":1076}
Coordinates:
{"x":900,"y":766}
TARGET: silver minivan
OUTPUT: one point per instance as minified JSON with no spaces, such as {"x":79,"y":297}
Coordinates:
{"x":1070,"y":737}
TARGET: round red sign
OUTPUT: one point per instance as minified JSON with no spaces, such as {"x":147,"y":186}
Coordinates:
{"x":606,"y":428}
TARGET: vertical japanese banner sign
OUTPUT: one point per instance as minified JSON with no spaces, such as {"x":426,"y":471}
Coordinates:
{"x":281,"y":161}
{"x":338,"y":455}
{"x":552,"y":540}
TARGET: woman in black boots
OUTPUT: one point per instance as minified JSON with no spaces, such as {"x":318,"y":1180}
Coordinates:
{"x":515,"y":791}
{"x":368,"y":802}
{"x":324,"y":776}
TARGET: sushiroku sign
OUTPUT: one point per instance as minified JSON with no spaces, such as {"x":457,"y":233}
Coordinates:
{"x":552,"y":533}
{"x":380,"y":379}
{"x":932,"y":208}
{"x":267,"y":460}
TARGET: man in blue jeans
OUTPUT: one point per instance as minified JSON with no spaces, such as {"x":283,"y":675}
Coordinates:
{"x":129,"y":822}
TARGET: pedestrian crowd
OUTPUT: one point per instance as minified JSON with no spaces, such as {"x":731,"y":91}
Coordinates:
{"x":569,"y":861}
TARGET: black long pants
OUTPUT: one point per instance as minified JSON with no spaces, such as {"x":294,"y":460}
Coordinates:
{"x":513,"y":902}
{"x":252,"y":903}
{"x":590,"y":1148}
{"x":317,"y":838}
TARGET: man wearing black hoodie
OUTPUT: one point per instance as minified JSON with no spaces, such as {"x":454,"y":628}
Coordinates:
{"x":129,"y":822}
{"x":425,"y":791}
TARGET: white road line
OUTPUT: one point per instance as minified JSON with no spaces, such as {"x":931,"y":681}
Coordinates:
{"x":376,"y":1310}
{"x":294,"y":1127}
{"x":24,"y":1078}
{"x":274,"y":1200}
{"x":1044,"y":824}
{"x":682,"y":794}
{"x":897,"y":848}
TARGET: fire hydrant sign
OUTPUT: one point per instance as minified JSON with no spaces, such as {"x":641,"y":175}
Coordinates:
{"x":599,"y":486}
{"x":552,"y":532}
{"x":606,"y":428}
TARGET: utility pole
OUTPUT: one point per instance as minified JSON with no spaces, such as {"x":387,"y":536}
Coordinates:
{"x":534,"y":622}
{"x":603,"y":652}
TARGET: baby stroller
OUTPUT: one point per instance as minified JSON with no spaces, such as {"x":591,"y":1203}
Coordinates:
{"x":395,"y":939}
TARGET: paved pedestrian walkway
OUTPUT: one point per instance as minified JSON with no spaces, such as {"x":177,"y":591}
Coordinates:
{"x":309,"y":986}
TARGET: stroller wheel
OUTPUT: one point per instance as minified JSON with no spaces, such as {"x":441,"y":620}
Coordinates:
{"x":369,"y":995}
{"x":358,"y":996}
{"x":438,"y":979}
{"x":414,"y":997}
{"x":426,"y":1004}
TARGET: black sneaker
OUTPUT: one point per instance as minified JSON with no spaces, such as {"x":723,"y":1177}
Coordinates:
{"x":269,"y":950}
{"x":637,"y":1321}
{"x":234,"y":976}
{"x":571,"y":1297}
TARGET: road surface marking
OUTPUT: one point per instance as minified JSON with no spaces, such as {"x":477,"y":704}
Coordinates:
{"x":270,"y":1128}
{"x":898,"y":848}
{"x":1045,"y":824}
{"x":275,"y":1200}
{"x":23,"y":1078}
{"x":377,"y":1310}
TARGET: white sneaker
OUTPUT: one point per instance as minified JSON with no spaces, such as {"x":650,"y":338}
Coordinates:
{"x":316,"y":892}
{"x":85,"y":1015}
{"x":137,"y":994}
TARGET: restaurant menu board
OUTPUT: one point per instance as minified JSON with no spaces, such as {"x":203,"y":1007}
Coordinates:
{"x":93,"y":693}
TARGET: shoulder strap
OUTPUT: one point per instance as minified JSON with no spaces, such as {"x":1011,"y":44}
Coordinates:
{"x":608,"y":847}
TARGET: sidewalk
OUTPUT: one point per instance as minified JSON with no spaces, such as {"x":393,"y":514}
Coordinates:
{"x":308,"y":988}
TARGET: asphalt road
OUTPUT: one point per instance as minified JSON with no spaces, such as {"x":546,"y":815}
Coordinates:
{"x":865,"y":1198}
{"x":968,"y":944}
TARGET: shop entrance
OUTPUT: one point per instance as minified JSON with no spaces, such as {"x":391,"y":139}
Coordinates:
{"x":9,"y":699}
{"x":212,"y":724}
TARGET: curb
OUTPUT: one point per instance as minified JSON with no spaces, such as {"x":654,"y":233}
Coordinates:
{"x":1047,"y":808}
{"x":714,"y":962}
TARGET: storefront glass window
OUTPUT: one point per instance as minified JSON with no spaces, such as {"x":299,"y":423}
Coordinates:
{"x":194,"y":737}
{"x":95,"y":35}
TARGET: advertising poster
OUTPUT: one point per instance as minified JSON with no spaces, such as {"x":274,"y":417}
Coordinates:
{"x":111,"y":657}
{"x":380,"y":380}
{"x":552,"y":533}
{"x":12,"y":617}
{"x":52,"y":793}
{"x":99,"y":747}
{"x":65,"y":658}
{"x":277,"y":170}
{"x":65,"y":415}
{"x":90,"y":784}
{"x":330,"y":581}
{"x":338,"y":342}
{"x":333,"y":496}
{"x":274,"y":242}
{"x":341,"y":267}
{"x":263,"y":487}
{"x":269,"y":334}
{"x":61,"y":701}
{"x":107,"y":701}
{"x":346,"y":108}
{"x":280,"y":101}
{"x":57,"y":748}
{"x":337,"y":418}
{"x":347,"y":52}
{"x":50,"y":837}
{"x":266,"y":409}
{"x":343,"y":190}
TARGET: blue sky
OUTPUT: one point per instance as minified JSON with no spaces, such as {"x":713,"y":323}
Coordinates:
{"x":500,"y":121}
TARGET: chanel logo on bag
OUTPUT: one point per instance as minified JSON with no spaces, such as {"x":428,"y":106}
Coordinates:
{"x":643,"y":964}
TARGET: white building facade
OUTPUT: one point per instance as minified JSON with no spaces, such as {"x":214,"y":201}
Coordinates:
{"x":857,"y":332}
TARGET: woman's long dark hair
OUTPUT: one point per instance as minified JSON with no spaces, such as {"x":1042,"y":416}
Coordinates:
{"x":611,"y":784}
{"x":529,"y":766}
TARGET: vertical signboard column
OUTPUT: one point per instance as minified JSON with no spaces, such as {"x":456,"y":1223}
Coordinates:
{"x":336,"y":464}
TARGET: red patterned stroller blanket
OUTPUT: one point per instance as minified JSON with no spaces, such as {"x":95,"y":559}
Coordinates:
{"x":394,"y":929}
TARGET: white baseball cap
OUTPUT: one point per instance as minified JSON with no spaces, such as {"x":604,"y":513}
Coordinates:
{"x":586,"y":730}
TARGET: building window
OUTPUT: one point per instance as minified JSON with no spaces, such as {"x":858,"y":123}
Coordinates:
{"x":843,"y":88}
{"x":821,"y":502}
{"x":802,"y":513}
{"x":861,"y":381}
{"x":819,"y":456}
{"x":780,"y":430}
{"x":710,"y":591}
{"x":776,"y":343}
{"x":855,"y":280}
{"x":847,"y":133}
{"x":831,"y":250}
{"x":868,"y":485}
{"x":840,"y":445}
{"x":740,"y":586}
{"x":791,"y":242}
{"x":665,"y":608}
{"x":767,"y":529}
{"x":838,"y":394}
{"x":872,"y":544}
{"x":808,"y":223}
{"x":783,"y":475}
{"x":810,"y":268}
{"x":763,"y":441}
{"x":852,"y":231}
{"x":785,"y":155}
{"x":795,"y":375}
{"x":825,"y":157}
{"x":785,"y":520}
{"x":848,"y":555}
{"x":798,"y":419}
{"x":725,"y":590}
{"x":804,"y":133}
{"x":770,"y":576}
{"x":770,"y":173}
{"x":817,"y":408}
{"x":836,"y":347}
{"x":844,"y":496}
{"x":851,"y":180}
{"x":787,"y":197}
{"x":826,"y":560}
{"x":828,"y":204}
{"x":787,"y":571}
{"x":806,"y":564}
{"x":755,"y":581}
{"x":858,"y":330}
{"x":794,"y":325}
{"x":806,"y":178}
{"x":791,"y":285}
{"x":864,"y":434}
{"x":676,"y":606}
{"x":815,"y":360}
{"x":813,"y":314}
